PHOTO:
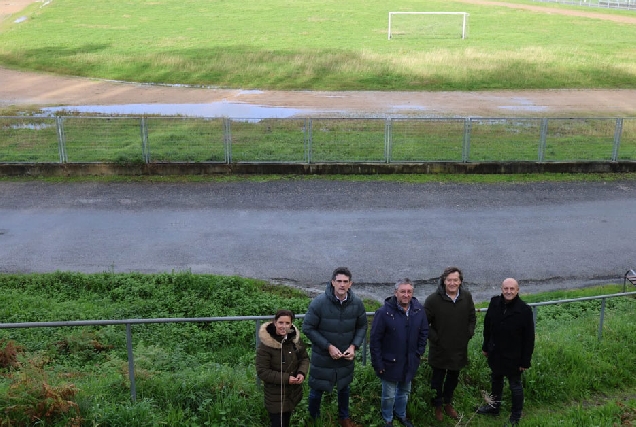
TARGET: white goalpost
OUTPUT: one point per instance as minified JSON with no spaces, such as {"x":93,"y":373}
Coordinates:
{"x":464,"y":18}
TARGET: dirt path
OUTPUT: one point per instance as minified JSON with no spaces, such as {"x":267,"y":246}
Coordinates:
{"x":22,"y":89}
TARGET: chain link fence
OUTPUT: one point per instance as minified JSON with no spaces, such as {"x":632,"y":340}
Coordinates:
{"x":76,"y":139}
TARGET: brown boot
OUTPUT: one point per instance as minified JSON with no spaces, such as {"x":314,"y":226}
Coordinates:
{"x":450,"y":411}
{"x":439,"y":415}
{"x":348,"y":423}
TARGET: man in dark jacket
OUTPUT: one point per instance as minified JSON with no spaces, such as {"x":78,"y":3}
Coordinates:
{"x":451,"y":319}
{"x":336,"y":324}
{"x":398,"y":340}
{"x":508,"y":345}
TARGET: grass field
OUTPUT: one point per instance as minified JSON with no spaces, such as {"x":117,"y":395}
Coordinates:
{"x":326,"y":44}
{"x":202,"y":374}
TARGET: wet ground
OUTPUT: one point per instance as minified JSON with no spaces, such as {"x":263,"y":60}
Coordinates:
{"x":547,"y":235}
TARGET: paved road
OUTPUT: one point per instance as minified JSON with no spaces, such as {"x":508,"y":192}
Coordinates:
{"x":547,"y":234}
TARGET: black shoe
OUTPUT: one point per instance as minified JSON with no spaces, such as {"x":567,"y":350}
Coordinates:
{"x":512,"y":422}
{"x":388,"y":424}
{"x":488,"y":410}
{"x":404,"y":421}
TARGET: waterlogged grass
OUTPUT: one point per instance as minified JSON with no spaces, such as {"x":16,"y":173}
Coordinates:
{"x":197,"y":374}
{"x":326,"y":45}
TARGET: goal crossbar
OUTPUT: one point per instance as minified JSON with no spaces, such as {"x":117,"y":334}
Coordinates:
{"x":465,"y":14}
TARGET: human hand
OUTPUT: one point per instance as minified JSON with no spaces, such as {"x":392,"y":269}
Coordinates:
{"x":350,"y":354}
{"x":298,"y":379}
{"x":485,"y":353}
{"x":334,"y":352}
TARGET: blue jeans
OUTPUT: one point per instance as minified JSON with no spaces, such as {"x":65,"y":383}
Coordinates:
{"x":395,"y":396}
{"x":315,"y":397}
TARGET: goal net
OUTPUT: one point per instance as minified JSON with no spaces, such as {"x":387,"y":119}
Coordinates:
{"x":428,"y":24}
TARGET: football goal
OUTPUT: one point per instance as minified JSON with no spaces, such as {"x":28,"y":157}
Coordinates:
{"x":439,"y":25}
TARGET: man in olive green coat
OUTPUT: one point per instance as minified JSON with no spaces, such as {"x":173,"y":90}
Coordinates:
{"x":451,"y":316}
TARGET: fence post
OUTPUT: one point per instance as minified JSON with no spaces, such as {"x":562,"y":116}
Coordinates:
{"x":542,"y":139}
{"x":227,"y":140}
{"x":364,"y":351}
{"x":466,"y":147}
{"x":131,"y":364}
{"x":61,"y":140}
{"x":258,"y":328}
{"x":617,"y":138}
{"x":534,"y":315}
{"x":310,"y":140}
{"x":144,"y":141}
{"x":600,"y":325}
{"x":388,"y":133}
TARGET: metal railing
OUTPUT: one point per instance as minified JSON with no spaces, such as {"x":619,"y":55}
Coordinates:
{"x":129,"y":322}
{"x":77,"y":139}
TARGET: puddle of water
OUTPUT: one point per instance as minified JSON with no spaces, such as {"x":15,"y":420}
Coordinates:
{"x":20,"y":20}
{"x":533,"y":108}
{"x":410,"y":107}
{"x":215,"y":109}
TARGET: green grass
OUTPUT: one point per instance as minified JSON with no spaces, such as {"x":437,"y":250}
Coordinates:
{"x":326,"y":45}
{"x":126,"y":139}
{"x":203,"y":374}
{"x":405,"y":178}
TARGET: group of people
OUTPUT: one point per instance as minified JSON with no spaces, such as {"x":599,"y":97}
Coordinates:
{"x":336,"y":325}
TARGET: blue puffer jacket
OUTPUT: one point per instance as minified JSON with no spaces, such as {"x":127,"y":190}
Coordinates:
{"x":329,"y":322}
{"x":397,"y":341}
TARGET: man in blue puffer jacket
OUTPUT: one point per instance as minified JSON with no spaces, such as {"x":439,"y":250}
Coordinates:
{"x":398,"y":340}
{"x":335,"y":323}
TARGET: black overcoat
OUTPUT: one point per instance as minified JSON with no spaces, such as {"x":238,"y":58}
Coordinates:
{"x":508,"y":335}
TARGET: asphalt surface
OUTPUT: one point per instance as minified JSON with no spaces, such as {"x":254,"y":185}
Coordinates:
{"x":547,"y":235}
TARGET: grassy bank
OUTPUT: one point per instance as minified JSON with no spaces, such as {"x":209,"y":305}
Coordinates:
{"x":326,"y":45}
{"x":202,"y":374}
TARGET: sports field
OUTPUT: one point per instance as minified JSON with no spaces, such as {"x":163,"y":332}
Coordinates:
{"x":325,"y":45}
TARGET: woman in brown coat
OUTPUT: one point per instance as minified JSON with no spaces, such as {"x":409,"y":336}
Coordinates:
{"x":281,"y":363}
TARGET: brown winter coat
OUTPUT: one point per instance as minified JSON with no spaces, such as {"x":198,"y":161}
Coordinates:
{"x":451,"y":326}
{"x":276,"y":361}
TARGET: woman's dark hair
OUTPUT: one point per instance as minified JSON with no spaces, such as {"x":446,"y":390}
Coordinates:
{"x":281,"y":313}
{"x":451,"y":270}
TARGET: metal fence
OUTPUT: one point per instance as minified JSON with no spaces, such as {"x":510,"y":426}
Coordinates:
{"x":258,"y":319}
{"x":77,"y":139}
{"x":609,"y":4}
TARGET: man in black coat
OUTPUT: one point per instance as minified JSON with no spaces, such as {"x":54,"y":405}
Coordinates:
{"x":508,"y":345}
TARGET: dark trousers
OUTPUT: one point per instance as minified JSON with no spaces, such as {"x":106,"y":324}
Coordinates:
{"x":444,"y":382}
{"x":516,"y":390}
{"x":315,"y":398}
{"x":279,"y":420}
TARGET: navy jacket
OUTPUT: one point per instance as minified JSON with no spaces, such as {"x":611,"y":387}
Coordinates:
{"x":398,"y":341}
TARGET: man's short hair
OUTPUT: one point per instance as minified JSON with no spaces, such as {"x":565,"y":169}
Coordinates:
{"x":341,"y":270}
{"x":405,"y":281}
